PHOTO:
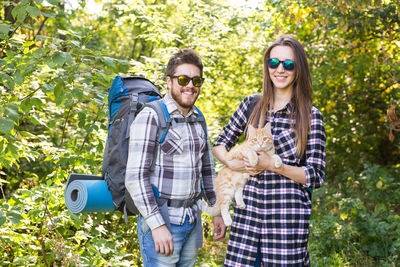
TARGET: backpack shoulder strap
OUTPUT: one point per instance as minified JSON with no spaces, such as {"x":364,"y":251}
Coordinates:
{"x":202,"y":121}
{"x":164,"y":119}
{"x":164,"y":122}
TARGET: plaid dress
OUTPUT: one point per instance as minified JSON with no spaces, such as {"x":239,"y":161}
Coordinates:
{"x":277,"y":214}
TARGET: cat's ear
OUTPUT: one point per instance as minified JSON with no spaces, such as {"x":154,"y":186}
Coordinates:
{"x":250,"y":130}
{"x":267,"y":128}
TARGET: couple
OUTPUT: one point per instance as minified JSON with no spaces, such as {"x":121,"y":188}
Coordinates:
{"x":273,"y":229}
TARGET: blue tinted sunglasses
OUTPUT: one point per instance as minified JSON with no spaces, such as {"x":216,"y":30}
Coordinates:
{"x":288,"y":65}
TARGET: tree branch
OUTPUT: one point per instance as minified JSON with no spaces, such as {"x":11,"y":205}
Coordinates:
{"x":65,"y":125}
{"x":87,"y":135}
{"x":40,"y":28}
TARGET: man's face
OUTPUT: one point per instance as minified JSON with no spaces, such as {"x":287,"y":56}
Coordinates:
{"x":184,"y":96}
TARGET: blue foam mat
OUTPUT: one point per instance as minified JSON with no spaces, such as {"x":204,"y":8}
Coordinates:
{"x":88,"y":196}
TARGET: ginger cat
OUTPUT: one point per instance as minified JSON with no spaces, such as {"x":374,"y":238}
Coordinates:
{"x":230,"y":183}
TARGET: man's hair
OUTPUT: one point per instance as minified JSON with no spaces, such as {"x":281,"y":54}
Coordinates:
{"x":184,"y":56}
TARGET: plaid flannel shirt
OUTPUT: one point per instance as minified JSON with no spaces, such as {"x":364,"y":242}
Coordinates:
{"x":277,"y":214}
{"x":183,"y":164}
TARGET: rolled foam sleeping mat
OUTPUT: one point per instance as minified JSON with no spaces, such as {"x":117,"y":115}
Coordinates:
{"x":88,"y":196}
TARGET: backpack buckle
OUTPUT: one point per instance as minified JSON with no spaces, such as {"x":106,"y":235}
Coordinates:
{"x":134,"y":102}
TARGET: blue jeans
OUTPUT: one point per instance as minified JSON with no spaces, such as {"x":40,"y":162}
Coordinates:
{"x":185,"y":250}
{"x":258,"y":258}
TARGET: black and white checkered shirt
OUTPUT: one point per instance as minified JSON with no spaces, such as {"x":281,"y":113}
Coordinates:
{"x":277,"y":213}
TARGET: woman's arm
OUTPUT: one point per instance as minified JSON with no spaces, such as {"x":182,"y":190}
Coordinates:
{"x":266,"y":163}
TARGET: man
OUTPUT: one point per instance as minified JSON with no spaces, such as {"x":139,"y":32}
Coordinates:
{"x":169,"y":232}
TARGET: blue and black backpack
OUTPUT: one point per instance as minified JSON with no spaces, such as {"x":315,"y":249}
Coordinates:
{"x":127,"y":96}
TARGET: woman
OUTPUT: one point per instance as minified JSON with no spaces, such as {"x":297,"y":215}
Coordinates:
{"x":274,"y":226}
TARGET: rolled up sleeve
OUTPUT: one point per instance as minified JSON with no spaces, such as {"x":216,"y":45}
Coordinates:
{"x":315,"y":152}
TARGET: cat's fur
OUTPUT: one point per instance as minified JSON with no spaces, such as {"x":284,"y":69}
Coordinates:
{"x":230,"y":183}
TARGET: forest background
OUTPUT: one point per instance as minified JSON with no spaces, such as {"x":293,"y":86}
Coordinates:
{"x":57,"y":63}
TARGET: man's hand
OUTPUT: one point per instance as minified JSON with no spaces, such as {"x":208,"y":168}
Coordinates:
{"x":219,"y":228}
{"x":163,"y":240}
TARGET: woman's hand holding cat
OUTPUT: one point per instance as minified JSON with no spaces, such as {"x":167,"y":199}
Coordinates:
{"x":265,"y":162}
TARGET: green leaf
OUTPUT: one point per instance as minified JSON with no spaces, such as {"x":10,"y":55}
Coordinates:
{"x":38,"y":2}
{"x":108,"y":61}
{"x":78,"y":93}
{"x":4,"y":28}
{"x":59,"y":58}
{"x":76,"y":43}
{"x":19,"y":13}
{"x":33,"y":11}
{"x":15,"y":218}
{"x":63,"y":32}
{"x":53,"y":2}
{"x":28,"y":134}
{"x":38,"y":121}
{"x":6,"y":125}
{"x":59,"y":93}
{"x":2,"y":220}
{"x":18,"y":77}
{"x":12,"y":112}
{"x":48,"y":87}
{"x":49,"y":14}
{"x":41,"y":37}
{"x":14,"y":11}
{"x":10,"y":84}
{"x":2,"y":181}
{"x":37,"y":102}
{"x":29,"y":43}
{"x":68,"y":58}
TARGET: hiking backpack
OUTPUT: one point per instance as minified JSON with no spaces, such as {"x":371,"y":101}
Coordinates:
{"x":127,"y":96}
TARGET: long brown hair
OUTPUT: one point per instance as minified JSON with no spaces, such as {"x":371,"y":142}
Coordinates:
{"x":301,"y":102}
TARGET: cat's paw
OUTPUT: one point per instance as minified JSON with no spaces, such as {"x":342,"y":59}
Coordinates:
{"x":227,"y":220}
{"x":204,"y":206}
{"x":241,"y":206}
{"x":277,"y":161}
{"x":278,"y":164}
{"x":253,"y":162}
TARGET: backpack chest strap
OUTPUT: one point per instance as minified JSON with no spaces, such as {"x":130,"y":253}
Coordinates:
{"x":179,"y":203}
{"x":188,"y":120}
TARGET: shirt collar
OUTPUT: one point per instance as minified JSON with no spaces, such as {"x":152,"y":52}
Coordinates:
{"x":288,"y":107}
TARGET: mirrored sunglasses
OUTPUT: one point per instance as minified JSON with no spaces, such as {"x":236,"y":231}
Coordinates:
{"x":288,"y":65}
{"x":184,"y":80}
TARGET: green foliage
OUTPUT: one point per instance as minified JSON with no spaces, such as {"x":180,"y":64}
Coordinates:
{"x":38,"y":230}
{"x":358,"y":224}
{"x":56,"y":65}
